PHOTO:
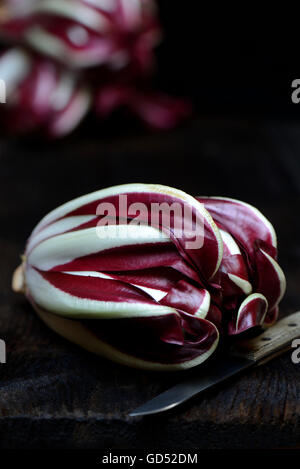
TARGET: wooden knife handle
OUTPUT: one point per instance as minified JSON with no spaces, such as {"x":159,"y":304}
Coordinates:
{"x":272,"y":342}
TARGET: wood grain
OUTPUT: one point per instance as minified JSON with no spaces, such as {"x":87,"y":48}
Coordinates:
{"x":55,"y":395}
{"x":272,"y":341}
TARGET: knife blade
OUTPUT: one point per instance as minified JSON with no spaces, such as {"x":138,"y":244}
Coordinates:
{"x":242,"y":355}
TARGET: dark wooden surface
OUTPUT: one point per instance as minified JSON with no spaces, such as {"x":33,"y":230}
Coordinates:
{"x":53,"y":394}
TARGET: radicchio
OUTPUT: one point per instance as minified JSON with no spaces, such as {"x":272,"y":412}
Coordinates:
{"x":137,"y":292}
{"x":63,"y":58}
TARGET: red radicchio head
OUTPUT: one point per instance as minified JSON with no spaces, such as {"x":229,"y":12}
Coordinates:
{"x":69,"y":56}
{"x":100,"y":272}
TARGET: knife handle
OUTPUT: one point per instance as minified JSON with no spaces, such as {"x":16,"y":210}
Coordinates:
{"x":272,"y":342}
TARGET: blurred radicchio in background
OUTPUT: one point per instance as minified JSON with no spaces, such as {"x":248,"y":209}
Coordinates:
{"x":62,"y":58}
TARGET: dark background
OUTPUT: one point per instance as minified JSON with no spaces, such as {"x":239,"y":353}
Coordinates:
{"x":242,"y":141}
{"x":238,"y":60}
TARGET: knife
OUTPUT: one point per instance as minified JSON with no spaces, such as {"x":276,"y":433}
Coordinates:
{"x":242,"y":355}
